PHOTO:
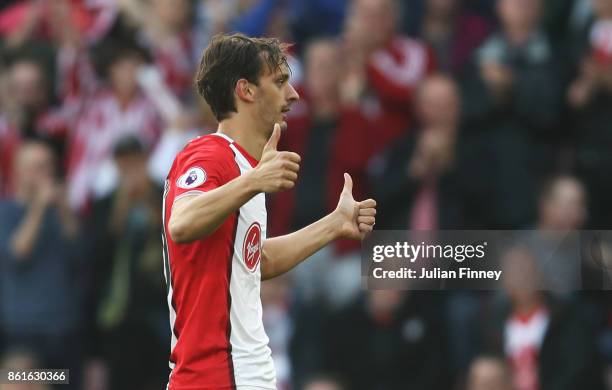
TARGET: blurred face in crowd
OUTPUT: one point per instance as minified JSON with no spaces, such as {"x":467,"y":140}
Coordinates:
{"x":322,"y":70}
{"x":488,"y":374}
{"x":373,"y":22}
{"x":132,"y":165}
{"x":322,"y":384}
{"x":133,"y":173}
{"x":602,"y":8}
{"x":27,"y":84}
{"x":522,"y":15}
{"x":34,"y":165}
{"x":564,"y":207}
{"x":441,"y":8}
{"x":384,"y":302}
{"x":172,"y":14}
{"x":521,"y":279}
{"x":438,"y":102}
{"x":21,"y":362}
{"x":273,"y":97}
{"x":122,"y":75}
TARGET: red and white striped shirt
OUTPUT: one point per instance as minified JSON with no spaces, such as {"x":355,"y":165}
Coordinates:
{"x":100,"y":125}
{"x":218,"y":338}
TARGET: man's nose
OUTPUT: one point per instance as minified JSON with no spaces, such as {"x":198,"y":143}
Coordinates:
{"x":293,"y":95}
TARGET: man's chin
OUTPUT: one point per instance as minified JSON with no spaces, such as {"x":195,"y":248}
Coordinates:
{"x":283,"y":125}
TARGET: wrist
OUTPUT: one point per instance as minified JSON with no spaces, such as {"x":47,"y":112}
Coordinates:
{"x":336,"y":224}
{"x":250,"y":182}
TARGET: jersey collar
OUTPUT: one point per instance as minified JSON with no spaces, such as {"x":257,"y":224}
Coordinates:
{"x":252,"y":160}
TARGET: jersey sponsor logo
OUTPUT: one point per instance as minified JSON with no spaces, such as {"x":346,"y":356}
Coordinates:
{"x":251,"y":249}
{"x":194,"y":177}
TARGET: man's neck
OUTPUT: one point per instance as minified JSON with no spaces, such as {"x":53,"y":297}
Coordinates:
{"x":245,"y":133}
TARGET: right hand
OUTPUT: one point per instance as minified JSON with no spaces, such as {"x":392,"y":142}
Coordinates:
{"x":499,"y":77}
{"x":47,"y":193}
{"x":276,"y":171}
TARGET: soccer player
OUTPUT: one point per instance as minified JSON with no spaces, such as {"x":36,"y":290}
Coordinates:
{"x":215,"y":247}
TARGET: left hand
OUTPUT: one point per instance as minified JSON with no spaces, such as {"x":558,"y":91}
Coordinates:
{"x":356,"y":218}
{"x":499,"y":77}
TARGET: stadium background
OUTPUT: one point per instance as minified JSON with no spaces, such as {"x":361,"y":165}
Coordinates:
{"x":453,"y":114}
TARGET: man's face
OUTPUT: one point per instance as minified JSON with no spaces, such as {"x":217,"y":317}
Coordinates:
{"x":438,"y":103}
{"x":602,"y":8}
{"x":524,"y":14}
{"x":274,"y":97}
{"x":565,"y":208}
{"x":322,"y":70}
{"x":122,"y":75}
{"x":441,"y":7}
{"x":35,"y":165}
{"x":375,"y":20}
{"x":173,"y":14}
{"x":27,"y":85}
{"x":488,"y":374}
{"x":521,"y":279}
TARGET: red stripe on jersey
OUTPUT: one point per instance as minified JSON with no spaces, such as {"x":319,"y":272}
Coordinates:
{"x":229,"y":305}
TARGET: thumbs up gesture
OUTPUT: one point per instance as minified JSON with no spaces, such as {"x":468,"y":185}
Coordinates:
{"x":276,"y":171}
{"x":356,"y":218}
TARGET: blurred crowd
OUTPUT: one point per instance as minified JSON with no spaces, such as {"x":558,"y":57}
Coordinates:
{"x":452,"y":114}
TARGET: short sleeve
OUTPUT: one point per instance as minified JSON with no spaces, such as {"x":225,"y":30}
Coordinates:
{"x":203,"y":170}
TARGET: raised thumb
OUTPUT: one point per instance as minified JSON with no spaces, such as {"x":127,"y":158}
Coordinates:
{"x":272,"y":143}
{"x":348,"y":184}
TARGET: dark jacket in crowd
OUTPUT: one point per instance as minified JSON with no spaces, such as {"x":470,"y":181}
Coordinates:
{"x":516,"y":133}
{"x":395,"y":191}
{"x":404,"y":350}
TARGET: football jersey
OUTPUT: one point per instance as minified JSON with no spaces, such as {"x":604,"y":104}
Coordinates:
{"x":218,"y":339}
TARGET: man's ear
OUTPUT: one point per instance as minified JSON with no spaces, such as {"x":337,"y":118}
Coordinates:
{"x":245,"y":90}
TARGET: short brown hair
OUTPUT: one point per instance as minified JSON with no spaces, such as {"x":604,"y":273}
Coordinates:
{"x":229,"y":58}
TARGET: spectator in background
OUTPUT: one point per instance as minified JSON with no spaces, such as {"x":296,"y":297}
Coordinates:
{"x":127,"y":311}
{"x":165,"y":26}
{"x":511,"y":101}
{"x":389,"y":340}
{"x":19,"y":360}
{"x":422,"y":183}
{"x":383,"y":67}
{"x":29,"y":21}
{"x":537,"y":332}
{"x":562,"y":212}
{"x":414,"y":180}
{"x":116,"y":108}
{"x":452,"y":31}
{"x":328,"y":130}
{"x":489,"y":373}
{"x":39,"y":264}
{"x":276,"y":303}
{"x":27,"y":113}
{"x":323,"y":382}
{"x":590,"y":96}
{"x":563,"y":205}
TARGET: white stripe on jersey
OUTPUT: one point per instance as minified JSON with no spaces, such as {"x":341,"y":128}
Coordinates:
{"x":168,"y":274}
{"x":252,"y":358}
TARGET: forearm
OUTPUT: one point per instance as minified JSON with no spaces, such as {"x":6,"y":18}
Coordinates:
{"x":200,"y":215}
{"x":70,"y":224}
{"x":23,"y":241}
{"x":281,"y":254}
